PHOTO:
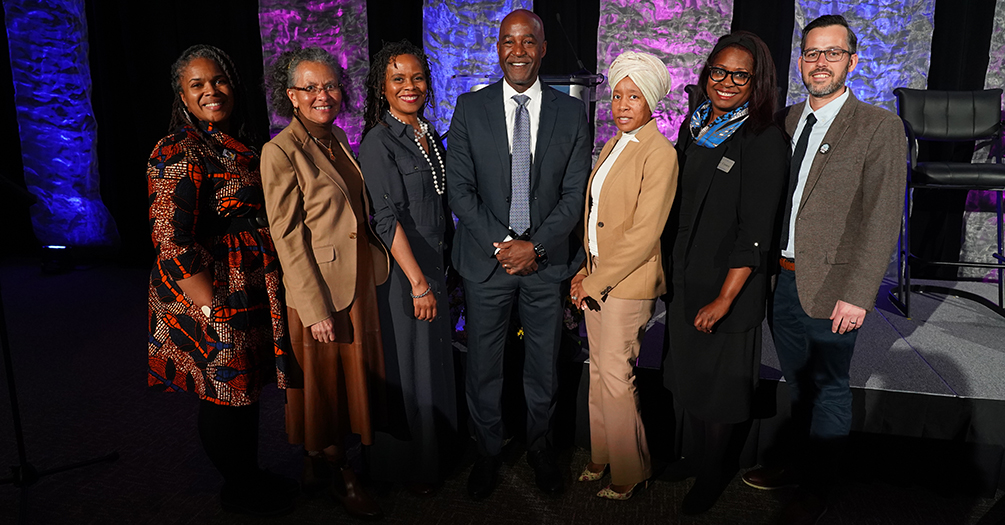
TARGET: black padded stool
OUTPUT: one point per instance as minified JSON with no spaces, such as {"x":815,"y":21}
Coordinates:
{"x":950,"y":116}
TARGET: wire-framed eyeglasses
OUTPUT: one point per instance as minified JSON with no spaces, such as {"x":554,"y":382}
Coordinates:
{"x":314,"y":89}
{"x":834,"y":54}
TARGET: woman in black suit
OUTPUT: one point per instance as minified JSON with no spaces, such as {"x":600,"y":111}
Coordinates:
{"x":733,"y":166}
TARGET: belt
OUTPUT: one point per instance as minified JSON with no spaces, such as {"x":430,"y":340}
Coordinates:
{"x":787,"y":263}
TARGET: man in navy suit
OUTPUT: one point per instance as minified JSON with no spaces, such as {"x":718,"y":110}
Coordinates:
{"x":517,"y":164}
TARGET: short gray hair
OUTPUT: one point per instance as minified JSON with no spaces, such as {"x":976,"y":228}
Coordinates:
{"x":282,"y":75}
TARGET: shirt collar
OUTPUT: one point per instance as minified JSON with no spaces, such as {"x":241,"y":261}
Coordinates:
{"x":534,"y":91}
{"x":830,"y":110}
{"x":397,"y":127}
{"x":629,"y":136}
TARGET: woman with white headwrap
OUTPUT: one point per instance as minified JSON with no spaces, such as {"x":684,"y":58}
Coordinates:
{"x":628,"y":199}
{"x":733,"y":166}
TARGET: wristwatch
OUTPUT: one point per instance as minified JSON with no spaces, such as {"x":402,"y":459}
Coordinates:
{"x":542,"y":256}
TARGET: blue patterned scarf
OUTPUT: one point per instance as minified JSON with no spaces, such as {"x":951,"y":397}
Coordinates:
{"x":720,"y":129}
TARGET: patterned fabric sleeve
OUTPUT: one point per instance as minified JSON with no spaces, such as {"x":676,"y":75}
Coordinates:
{"x":174,"y":178}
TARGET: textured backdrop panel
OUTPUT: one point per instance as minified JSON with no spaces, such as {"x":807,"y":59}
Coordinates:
{"x":680,"y":32}
{"x":338,"y":26}
{"x":894,"y":45}
{"x":980,"y":238}
{"x":52,"y":85}
{"x":460,"y":41}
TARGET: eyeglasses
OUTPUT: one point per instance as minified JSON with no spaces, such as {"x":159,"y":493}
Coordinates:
{"x":315,"y":89}
{"x":833,"y":55}
{"x":740,"y":78}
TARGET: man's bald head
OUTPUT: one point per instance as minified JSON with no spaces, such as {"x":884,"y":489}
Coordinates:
{"x":521,"y":47}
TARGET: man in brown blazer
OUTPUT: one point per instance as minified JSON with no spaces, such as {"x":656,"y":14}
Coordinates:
{"x":840,"y":227}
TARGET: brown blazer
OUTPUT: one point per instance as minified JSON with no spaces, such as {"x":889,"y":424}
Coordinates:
{"x":313,"y":226}
{"x":633,"y":208}
{"x":849,"y":217}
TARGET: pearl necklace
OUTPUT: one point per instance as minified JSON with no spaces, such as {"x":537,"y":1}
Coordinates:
{"x":417,"y":135}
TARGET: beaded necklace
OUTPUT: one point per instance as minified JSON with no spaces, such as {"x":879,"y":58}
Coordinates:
{"x":417,"y":135}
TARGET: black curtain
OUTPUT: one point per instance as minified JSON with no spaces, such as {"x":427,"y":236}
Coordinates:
{"x":960,"y":46}
{"x":133,"y":45}
{"x":393,"y":20}
{"x":773,"y":21}
{"x":570,"y":28}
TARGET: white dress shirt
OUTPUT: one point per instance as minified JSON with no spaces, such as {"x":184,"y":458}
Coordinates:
{"x":598,"y":184}
{"x":825,"y":117}
{"x":533,"y":109}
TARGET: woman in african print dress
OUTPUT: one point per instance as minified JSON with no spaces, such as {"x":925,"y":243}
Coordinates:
{"x":217,"y":323}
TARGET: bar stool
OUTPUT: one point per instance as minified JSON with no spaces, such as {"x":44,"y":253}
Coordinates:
{"x":949,"y":116}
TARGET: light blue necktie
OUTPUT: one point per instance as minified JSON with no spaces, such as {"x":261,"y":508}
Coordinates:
{"x":519,"y":204}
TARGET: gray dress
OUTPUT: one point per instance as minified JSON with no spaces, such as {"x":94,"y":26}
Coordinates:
{"x":418,"y":355}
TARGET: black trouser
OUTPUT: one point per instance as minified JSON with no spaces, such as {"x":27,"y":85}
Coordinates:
{"x":487,"y":321}
{"x":229,"y":436}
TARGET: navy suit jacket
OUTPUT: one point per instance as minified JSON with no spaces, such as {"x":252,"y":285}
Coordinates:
{"x":478,"y":181}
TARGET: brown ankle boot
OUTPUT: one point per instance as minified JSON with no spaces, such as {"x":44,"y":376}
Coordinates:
{"x":317,"y":474}
{"x":348,"y":491}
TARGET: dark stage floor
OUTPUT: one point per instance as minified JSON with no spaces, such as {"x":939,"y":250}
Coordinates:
{"x":78,"y":344}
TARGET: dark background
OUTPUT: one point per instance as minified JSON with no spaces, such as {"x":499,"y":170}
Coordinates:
{"x":132,"y":45}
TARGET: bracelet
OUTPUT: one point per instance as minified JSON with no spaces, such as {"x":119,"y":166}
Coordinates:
{"x":429,"y":288}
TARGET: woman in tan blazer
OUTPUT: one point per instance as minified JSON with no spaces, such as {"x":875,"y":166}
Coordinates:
{"x":332,"y":261}
{"x":628,"y":201}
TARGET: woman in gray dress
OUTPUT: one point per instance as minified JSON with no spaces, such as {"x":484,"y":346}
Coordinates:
{"x":403,"y":165}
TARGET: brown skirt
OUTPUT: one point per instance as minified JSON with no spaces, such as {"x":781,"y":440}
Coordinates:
{"x":343,"y":383}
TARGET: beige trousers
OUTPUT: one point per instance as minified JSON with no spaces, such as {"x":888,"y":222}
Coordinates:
{"x":617,"y":436}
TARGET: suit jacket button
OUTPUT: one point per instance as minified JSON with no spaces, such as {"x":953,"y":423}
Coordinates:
{"x":352,"y":235}
{"x":600,"y":225}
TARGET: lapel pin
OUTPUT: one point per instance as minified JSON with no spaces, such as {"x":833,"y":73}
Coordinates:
{"x":825,"y":148}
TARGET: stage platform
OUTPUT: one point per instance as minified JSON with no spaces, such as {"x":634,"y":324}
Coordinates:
{"x":930,"y":385}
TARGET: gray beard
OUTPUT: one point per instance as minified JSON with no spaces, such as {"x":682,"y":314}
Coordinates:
{"x":836,"y":83}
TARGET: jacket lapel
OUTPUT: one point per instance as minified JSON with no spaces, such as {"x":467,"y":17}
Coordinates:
{"x":495,"y":115}
{"x":703,"y":185}
{"x":545,"y":129}
{"x":837,"y":130}
{"x":792,"y":118}
{"x":317,"y":155}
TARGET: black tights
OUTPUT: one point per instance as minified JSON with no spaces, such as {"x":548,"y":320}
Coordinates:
{"x":712,"y":445}
{"x":229,"y":436}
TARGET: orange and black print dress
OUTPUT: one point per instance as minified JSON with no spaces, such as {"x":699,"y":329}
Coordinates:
{"x":206,"y":212}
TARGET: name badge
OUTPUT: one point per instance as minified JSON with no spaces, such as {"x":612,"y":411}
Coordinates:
{"x":726,"y":164}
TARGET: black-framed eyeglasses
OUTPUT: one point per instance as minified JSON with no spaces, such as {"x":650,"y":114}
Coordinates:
{"x":717,"y":74}
{"x":315,"y":89}
{"x":834,"y":54}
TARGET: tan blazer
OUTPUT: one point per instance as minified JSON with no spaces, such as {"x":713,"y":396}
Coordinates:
{"x":849,"y":217}
{"x":313,"y":226}
{"x":633,"y":208}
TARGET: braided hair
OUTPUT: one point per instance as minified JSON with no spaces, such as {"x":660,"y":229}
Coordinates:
{"x":181,"y":117}
{"x":376,"y":104}
{"x":281,"y":76}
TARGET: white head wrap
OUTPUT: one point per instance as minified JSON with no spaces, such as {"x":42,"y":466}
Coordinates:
{"x":648,"y":72}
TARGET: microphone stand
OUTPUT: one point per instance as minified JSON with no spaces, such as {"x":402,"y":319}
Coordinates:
{"x":24,"y":474}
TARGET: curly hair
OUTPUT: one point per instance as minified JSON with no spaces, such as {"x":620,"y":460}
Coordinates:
{"x":181,"y":117}
{"x":281,"y":76}
{"x":763,"y":96}
{"x":376,"y":104}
